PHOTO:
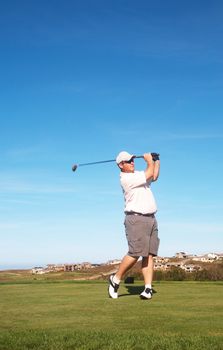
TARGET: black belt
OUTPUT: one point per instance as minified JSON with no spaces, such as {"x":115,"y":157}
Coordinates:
{"x":135,"y":213}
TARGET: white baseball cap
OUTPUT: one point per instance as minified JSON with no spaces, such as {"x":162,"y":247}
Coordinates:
{"x":123,"y":157}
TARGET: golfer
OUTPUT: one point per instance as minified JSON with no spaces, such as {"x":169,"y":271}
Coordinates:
{"x":140,"y":222}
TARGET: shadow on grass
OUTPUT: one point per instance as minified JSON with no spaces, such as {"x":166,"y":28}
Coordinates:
{"x":133,"y":290}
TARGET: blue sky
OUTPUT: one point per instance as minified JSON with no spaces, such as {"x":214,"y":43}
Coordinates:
{"x":81,"y":81}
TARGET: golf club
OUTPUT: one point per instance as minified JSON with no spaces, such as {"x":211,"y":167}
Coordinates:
{"x":75,"y":166}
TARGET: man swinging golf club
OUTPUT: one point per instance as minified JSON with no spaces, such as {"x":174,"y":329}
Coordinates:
{"x":140,"y":222}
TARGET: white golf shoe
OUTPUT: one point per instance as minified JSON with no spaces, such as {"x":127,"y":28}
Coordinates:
{"x":146,"y":294}
{"x":112,"y":288}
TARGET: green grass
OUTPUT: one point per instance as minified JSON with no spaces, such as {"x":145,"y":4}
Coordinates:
{"x":79,"y":315}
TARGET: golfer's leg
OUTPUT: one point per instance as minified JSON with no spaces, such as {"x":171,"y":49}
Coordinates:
{"x":147,"y":269}
{"x":126,"y":264}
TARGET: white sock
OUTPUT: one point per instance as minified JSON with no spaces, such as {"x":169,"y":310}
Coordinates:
{"x":148,"y":286}
{"x":116,"y":280}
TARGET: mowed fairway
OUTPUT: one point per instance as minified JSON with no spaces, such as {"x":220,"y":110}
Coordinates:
{"x":79,"y":315}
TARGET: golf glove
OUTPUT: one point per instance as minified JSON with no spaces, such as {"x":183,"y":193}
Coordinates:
{"x":155,"y":156}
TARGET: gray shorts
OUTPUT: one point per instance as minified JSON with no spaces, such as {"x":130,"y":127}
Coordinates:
{"x":142,"y":235}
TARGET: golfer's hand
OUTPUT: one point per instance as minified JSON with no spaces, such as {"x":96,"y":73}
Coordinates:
{"x":155,"y":156}
{"x":148,"y":158}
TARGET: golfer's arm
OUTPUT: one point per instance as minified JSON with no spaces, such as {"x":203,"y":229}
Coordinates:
{"x":156,"y":171}
{"x":149,"y":171}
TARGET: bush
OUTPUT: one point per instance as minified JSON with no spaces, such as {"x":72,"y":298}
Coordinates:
{"x":210,"y":272}
{"x":176,"y":274}
{"x":214,"y":273}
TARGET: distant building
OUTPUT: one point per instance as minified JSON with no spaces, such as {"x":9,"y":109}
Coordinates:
{"x":168,"y":265}
{"x":190,"y":268}
{"x":73,"y":267}
{"x":55,"y":267}
{"x":210,"y":257}
{"x":86,"y":265}
{"x":70,"y":267}
{"x":181,"y":255}
{"x":161,"y":260}
{"x":38,"y":270}
{"x":213,"y":256}
{"x":114,"y":262}
{"x":158,"y":266}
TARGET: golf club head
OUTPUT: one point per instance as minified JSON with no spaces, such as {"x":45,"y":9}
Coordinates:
{"x":74,"y":167}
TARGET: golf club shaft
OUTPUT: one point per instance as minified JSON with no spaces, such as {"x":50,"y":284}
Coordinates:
{"x":104,"y":161}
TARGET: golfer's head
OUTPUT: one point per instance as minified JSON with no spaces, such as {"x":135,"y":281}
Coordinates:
{"x":125,"y":161}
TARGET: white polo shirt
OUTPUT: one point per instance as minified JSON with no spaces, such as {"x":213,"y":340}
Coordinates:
{"x":137,"y":193}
